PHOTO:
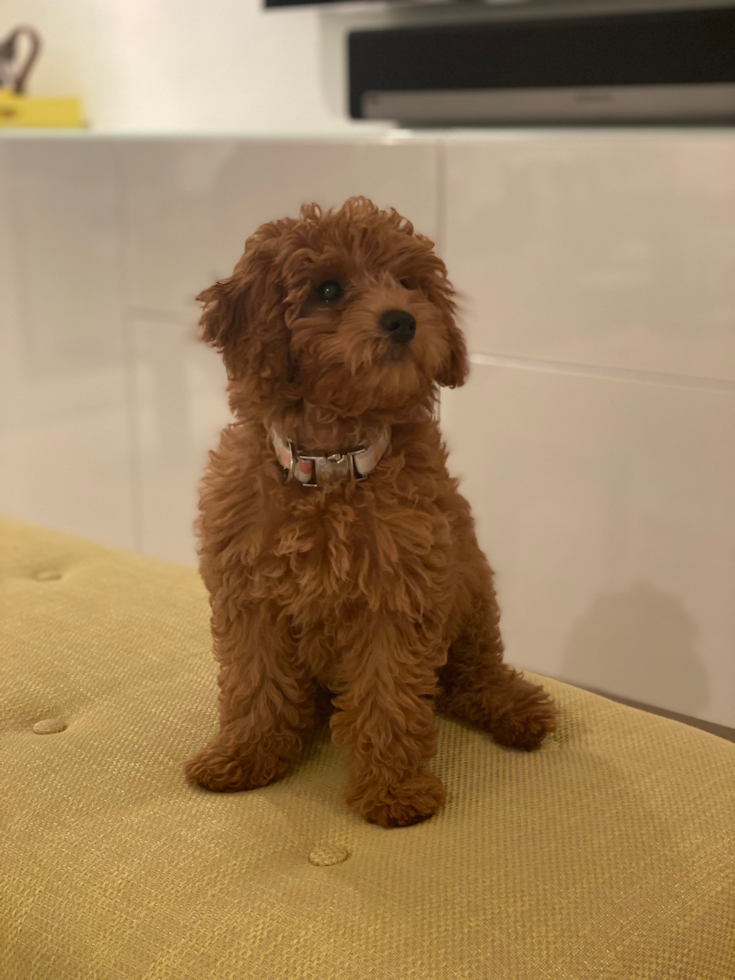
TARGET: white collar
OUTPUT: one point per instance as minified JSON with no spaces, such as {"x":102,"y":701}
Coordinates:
{"x":315,"y":469}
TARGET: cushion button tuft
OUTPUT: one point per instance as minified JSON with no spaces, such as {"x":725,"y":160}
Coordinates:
{"x":328,"y":854}
{"x":47,"y":575}
{"x":49,"y":726}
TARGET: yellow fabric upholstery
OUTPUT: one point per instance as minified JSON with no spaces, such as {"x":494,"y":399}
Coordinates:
{"x":607,"y":854}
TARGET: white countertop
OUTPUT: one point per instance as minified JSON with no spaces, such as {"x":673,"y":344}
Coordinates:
{"x":372,"y":133}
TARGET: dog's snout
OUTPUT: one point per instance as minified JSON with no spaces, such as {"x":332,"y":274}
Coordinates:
{"x":399,"y":325}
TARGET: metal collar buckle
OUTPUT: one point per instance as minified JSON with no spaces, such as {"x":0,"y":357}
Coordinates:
{"x":321,"y":468}
{"x":329,"y":466}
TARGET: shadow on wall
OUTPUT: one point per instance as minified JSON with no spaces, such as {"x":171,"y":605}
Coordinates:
{"x":639,"y":644}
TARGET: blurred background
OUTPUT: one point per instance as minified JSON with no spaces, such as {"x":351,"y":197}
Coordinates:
{"x":574,"y":163}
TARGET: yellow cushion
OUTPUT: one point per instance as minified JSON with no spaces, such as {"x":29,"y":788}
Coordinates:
{"x":607,"y":854}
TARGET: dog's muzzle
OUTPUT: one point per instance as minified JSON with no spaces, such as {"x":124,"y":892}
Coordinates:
{"x":317,"y":469}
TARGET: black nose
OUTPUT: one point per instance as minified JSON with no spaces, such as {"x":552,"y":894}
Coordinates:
{"x":399,"y":325}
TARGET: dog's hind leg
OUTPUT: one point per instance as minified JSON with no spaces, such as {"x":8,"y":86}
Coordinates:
{"x":478,"y":687}
{"x":266,"y":701}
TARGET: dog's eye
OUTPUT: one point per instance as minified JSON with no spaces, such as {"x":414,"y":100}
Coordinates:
{"x":329,"y":291}
{"x":406,"y":283}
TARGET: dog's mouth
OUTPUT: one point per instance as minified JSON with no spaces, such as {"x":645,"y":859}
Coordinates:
{"x":396,"y":353}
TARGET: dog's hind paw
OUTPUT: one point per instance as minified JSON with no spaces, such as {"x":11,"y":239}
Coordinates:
{"x":525,"y":722}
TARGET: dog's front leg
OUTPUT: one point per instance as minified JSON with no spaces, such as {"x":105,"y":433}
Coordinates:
{"x":266,"y":701}
{"x":385,"y":717}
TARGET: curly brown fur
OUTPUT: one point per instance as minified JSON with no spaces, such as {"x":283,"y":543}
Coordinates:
{"x":374,"y":594}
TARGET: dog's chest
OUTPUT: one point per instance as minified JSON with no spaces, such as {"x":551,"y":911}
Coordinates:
{"x":321,"y":560}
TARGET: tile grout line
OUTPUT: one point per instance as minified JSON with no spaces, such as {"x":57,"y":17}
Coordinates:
{"x":126,"y":326}
{"x":169,"y":317}
{"x":604,"y":374}
{"x":440,"y":201}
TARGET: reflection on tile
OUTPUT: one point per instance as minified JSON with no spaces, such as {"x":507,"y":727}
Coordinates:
{"x":64,"y":459}
{"x":70,"y":471}
{"x":615,"y":250}
{"x":180,"y":407}
{"x":607,"y":509}
{"x":191,"y":205}
{"x":66,"y":254}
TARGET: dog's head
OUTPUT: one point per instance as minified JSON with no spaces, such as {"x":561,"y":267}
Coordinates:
{"x":347,"y":310}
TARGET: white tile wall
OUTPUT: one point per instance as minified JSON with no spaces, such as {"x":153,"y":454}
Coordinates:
{"x":65,"y":455}
{"x":180,"y":407}
{"x":108,"y":405}
{"x":189,"y":206}
{"x":595,"y":438}
{"x":608,"y":250}
{"x":608,"y":509}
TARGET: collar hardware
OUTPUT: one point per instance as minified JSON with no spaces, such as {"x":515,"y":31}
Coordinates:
{"x":316,"y":469}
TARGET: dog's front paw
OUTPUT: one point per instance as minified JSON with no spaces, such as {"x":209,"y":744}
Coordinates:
{"x":228,"y":769}
{"x":399,"y":804}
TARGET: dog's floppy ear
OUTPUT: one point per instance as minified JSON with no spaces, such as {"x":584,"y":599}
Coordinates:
{"x":223,"y":313}
{"x":453,"y":370}
{"x":243,"y":315}
{"x":430,"y":270}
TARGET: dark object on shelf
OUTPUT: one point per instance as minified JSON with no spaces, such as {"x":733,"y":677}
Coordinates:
{"x":675,"y":66}
{"x":13,"y":76}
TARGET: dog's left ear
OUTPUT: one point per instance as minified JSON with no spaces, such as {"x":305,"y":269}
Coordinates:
{"x":453,"y":371}
{"x":431,"y":271}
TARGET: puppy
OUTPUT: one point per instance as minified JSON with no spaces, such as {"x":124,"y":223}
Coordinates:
{"x":340,"y":559}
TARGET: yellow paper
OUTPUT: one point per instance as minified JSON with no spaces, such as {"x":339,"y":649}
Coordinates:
{"x":27,"y":110}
